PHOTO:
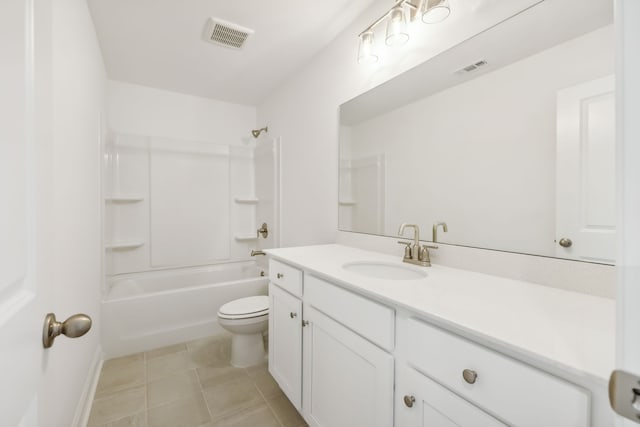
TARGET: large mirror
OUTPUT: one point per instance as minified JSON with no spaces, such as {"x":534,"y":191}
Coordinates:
{"x":508,"y":138}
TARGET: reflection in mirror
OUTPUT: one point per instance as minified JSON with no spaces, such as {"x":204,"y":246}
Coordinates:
{"x":508,"y":138}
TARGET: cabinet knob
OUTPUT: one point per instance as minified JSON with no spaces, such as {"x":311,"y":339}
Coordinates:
{"x":293,"y":315}
{"x":305,"y":323}
{"x":409,"y":401}
{"x":565,"y":243}
{"x":279,"y":275}
{"x":469,"y":376}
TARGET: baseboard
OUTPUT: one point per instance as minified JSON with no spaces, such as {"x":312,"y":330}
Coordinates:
{"x":83,"y":410}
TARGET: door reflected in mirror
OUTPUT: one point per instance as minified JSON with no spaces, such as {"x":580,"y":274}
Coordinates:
{"x":515,"y":154}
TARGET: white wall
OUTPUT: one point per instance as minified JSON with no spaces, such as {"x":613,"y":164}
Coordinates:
{"x":140,"y":110}
{"x":73,"y":216}
{"x":509,"y":131}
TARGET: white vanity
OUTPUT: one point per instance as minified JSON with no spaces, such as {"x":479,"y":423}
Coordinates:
{"x":454,"y":348}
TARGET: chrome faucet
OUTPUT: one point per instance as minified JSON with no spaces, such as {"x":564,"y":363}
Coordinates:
{"x":435,"y":230}
{"x":414,"y":253}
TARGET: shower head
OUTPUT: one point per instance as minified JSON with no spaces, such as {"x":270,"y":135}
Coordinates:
{"x":256,"y":132}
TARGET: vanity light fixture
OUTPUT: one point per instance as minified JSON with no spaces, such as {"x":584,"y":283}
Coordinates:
{"x":398,"y":18}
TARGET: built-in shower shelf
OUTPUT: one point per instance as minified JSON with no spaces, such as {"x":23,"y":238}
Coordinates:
{"x":245,"y":237}
{"x":347,"y":202}
{"x":128,"y":244}
{"x":124,"y":198}
{"x":246,"y":200}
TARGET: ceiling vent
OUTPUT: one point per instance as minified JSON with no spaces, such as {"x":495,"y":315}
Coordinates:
{"x":471,"y":67}
{"x":226,"y":34}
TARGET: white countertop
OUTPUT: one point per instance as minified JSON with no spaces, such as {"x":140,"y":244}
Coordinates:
{"x":550,"y":327}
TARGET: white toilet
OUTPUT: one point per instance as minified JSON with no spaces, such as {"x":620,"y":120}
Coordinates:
{"x":247,"y":319}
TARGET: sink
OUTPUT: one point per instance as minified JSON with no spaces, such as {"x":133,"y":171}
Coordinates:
{"x":385,"y":270}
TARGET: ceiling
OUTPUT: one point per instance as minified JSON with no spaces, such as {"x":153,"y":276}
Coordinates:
{"x":158,"y":43}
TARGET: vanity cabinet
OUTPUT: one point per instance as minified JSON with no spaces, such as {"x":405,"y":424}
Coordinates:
{"x":285,"y":343}
{"x":328,"y":355}
{"x":514,"y":391}
{"x":344,"y":359}
{"x":421,"y":402}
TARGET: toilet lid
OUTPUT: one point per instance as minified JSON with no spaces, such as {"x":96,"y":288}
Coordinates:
{"x":246,"y":307}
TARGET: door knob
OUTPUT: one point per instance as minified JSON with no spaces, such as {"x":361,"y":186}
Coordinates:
{"x":74,"y":327}
{"x":565,"y":243}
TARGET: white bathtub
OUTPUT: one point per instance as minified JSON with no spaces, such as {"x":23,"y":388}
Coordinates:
{"x":148,"y":310}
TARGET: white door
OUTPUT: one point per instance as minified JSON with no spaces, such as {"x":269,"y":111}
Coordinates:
{"x":586,"y":172}
{"x":347,"y":380}
{"x":628,"y":265}
{"x":21,"y":311}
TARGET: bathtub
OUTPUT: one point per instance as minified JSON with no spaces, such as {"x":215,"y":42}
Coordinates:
{"x":142,"y":311}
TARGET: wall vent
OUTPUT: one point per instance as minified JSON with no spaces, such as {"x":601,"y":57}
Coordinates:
{"x":226,"y":34}
{"x":472,"y":67}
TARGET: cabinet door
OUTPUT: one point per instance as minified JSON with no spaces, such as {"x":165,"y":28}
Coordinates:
{"x":348,"y":381}
{"x":285,"y":343}
{"x":421,"y":402}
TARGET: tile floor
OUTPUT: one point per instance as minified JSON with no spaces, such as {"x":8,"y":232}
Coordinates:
{"x":189,"y":385}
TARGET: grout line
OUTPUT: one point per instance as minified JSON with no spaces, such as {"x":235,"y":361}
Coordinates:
{"x":275,"y":415}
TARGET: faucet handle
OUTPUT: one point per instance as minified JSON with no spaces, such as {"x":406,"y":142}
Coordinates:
{"x":430,"y":246}
{"x":407,"y":249}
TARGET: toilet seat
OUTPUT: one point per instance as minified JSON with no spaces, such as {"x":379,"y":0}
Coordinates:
{"x":245,"y":308}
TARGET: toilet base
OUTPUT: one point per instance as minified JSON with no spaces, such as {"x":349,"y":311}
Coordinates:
{"x":247,"y":350}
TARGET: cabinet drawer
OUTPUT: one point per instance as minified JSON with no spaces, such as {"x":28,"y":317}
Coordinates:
{"x":285,"y":276}
{"x":370,"y":319}
{"x":515,"y":392}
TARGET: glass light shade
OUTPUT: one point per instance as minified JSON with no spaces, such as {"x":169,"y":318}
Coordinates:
{"x":435,"y":11}
{"x":366,"y":54}
{"x":397,"y":27}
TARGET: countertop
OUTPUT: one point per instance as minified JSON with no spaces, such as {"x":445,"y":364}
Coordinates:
{"x":549,"y":327}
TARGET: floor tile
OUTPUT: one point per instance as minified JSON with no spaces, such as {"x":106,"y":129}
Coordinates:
{"x":285,"y":412}
{"x":266,"y":384}
{"x":226,"y":399}
{"x":117,"y":406}
{"x":190,"y":412}
{"x":121,"y":374}
{"x":137,"y":420}
{"x":258,"y":416}
{"x":164,"y":351}
{"x":173,"y":387}
{"x":167,"y":365}
{"x":211,"y":376}
{"x":210,"y":352}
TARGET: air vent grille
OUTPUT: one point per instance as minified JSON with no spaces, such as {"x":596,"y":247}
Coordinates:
{"x":472,"y":67}
{"x":226,"y":34}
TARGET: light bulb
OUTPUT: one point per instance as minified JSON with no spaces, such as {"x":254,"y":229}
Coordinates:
{"x":366,"y":54}
{"x":435,"y":11}
{"x":397,"y":28}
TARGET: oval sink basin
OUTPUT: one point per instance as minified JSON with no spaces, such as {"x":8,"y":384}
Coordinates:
{"x":383,"y":270}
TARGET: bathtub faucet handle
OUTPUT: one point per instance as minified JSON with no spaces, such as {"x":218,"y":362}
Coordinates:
{"x":264,"y":230}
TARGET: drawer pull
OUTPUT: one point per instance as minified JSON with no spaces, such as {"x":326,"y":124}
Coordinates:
{"x":469,"y":376}
{"x":293,"y":315}
{"x":279,"y":275}
{"x":409,"y":401}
